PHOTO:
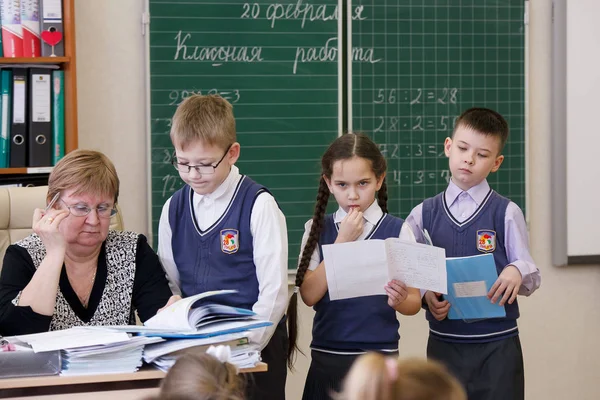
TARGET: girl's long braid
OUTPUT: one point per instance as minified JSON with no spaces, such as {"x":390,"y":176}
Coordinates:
{"x":382,"y":197}
{"x":311,"y":244}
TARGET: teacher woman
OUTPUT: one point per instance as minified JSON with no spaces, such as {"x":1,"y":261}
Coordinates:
{"x":74,"y":271}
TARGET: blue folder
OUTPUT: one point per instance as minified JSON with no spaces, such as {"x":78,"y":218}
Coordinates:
{"x":469,"y":281}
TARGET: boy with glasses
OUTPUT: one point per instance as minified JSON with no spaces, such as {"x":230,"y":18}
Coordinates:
{"x":224,"y":231}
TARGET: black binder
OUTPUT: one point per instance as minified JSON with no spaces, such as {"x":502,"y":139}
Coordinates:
{"x":18,"y":129}
{"x":39,"y":136}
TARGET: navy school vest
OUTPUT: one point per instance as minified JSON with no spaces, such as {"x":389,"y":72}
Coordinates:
{"x":221,"y":257}
{"x":359,"y":324}
{"x":462,"y":239}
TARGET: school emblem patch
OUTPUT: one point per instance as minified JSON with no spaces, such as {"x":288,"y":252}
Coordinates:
{"x":230,"y":242}
{"x":486,"y":240}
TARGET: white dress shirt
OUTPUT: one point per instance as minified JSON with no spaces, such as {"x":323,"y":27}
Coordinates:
{"x":269,"y":239}
{"x":463,"y":204}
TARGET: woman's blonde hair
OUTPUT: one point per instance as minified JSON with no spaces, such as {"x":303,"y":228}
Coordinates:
{"x":200,"y":376}
{"x":85,"y":171}
{"x":376,"y":377}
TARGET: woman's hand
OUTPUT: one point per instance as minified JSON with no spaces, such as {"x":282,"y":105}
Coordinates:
{"x":46,"y":226}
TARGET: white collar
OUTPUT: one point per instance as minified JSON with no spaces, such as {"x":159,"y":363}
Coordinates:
{"x":477,"y":192}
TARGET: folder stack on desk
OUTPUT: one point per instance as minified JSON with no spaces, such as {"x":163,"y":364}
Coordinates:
{"x":22,"y":361}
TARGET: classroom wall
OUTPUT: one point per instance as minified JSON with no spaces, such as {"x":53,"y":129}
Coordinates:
{"x":111,"y":95}
{"x":559,"y":324}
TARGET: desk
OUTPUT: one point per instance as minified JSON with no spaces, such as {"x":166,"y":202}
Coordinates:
{"x":135,"y":385}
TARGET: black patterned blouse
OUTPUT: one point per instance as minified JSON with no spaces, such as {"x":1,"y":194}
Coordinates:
{"x":129,"y":278}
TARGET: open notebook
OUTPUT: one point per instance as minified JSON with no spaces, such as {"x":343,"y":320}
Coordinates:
{"x":195,"y":316}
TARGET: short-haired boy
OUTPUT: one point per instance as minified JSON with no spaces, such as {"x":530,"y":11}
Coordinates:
{"x":485,"y":355}
{"x":224,"y":231}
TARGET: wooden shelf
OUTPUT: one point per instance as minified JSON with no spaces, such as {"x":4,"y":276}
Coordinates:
{"x":28,"y":170}
{"x":34,"y":60}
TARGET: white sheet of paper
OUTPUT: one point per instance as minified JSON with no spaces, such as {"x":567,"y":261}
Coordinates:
{"x":71,"y":338}
{"x":364,"y":267}
{"x":418,"y":265}
{"x":470,"y":289}
{"x":355,"y":269}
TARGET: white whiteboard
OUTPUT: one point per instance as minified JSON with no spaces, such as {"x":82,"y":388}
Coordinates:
{"x":583,"y":127}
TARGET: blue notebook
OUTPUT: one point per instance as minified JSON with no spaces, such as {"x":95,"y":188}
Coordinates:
{"x":469,"y":281}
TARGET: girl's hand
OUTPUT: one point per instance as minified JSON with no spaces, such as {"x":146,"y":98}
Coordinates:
{"x":351,"y":227}
{"x":397,"y":292}
{"x":46,"y":225}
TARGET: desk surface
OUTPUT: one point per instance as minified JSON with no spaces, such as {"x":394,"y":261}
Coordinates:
{"x":145,"y":373}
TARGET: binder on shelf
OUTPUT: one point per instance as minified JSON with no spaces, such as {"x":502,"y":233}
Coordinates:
{"x":12,"y":32}
{"x":39,"y":121}
{"x":52,"y":28}
{"x":18,"y":128}
{"x":58,"y":115}
{"x":6,"y":101}
{"x":30,"y":22}
{"x":1,"y":49}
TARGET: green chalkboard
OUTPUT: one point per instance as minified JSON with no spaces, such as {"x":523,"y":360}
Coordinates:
{"x":416,"y":65}
{"x":433,"y":59}
{"x":257,"y":56}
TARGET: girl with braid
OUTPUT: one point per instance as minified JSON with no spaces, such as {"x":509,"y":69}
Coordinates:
{"x":353,"y":170}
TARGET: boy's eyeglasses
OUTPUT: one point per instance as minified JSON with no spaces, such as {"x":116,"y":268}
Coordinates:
{"x":81,"y":210}
{"x":201,"y":168}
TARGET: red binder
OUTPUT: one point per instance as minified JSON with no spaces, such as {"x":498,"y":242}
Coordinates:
{"x":30,"y":22}
{"x":12,"y":32}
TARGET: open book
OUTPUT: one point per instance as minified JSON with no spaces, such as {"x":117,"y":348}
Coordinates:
{"x":364,"y":267}
{"x":194,"y":316}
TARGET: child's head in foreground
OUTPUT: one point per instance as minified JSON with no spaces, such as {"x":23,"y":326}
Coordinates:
{"x":200,"y":376}
{"x":377,"y":377}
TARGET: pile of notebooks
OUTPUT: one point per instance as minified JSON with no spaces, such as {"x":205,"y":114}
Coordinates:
{"x":186,"y":324}
{"x":164,"y":354}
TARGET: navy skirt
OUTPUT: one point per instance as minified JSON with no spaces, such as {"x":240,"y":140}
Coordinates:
{"x":326,"y":374}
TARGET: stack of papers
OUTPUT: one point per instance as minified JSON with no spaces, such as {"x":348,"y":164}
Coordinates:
{"x":178,"y":346}
{"x":114,"y":358}
{"x":91,"y":350}
{"x":243,"y":356}
{"x":165,"y":354}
